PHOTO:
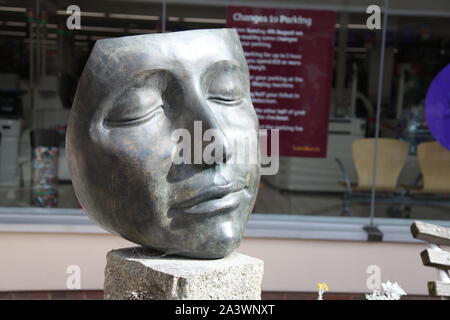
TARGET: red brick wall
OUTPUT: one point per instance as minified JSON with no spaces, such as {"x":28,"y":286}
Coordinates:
{"x":98,"y":295}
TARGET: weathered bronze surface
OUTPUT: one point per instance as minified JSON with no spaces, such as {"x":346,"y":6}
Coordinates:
{"x":135,"y":92}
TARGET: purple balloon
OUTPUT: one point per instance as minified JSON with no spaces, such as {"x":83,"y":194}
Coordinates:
{"x":438,"y":107}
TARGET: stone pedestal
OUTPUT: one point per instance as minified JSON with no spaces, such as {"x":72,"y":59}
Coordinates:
{"x":143,"y":274}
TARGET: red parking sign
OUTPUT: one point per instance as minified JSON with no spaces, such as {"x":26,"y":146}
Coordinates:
{"x":290,"y":57}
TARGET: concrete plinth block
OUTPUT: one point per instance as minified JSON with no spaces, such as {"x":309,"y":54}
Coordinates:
{"x":142,"y":274}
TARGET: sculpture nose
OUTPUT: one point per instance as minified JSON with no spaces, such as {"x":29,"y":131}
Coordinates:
{"x":217,"y":140}
{"x":214,"y":144}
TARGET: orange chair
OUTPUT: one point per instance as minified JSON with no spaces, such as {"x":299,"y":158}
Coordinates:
{"x":434,"y":162}
{"x":391,"y":158}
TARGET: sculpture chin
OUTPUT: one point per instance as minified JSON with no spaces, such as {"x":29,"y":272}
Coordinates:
{"x":217,"y":250}
{"x":214,"y":240}
{"x":218,"y":245}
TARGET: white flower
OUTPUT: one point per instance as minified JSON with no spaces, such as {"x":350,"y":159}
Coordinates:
{"x":390,"y":291}
{"x":376,"y":295}
{"x":393,"y":290}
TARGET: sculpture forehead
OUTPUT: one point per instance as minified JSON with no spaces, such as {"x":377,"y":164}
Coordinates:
{"x":188,"y":51}
{"x":115,"y":63}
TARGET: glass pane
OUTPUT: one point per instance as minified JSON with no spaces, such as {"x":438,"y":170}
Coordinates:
{"x":414,"y":109}
{"x":317,"y":84}
{"x":335,"y":106}
{"x":36,"y":43}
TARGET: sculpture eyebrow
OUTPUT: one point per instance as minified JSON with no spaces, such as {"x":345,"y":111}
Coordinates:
{"x":139,"y":80}
{"x":224,"y":63}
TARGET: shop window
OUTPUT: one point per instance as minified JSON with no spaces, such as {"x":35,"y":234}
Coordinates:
{"x":337,"y":182}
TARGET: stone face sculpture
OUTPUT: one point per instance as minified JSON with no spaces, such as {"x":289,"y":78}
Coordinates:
{"x":134,"y":94}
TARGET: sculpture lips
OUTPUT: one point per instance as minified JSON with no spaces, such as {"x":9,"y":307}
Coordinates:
{"x":213,"y":199}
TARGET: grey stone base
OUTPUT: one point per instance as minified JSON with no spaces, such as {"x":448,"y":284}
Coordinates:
{"x":141,"y":274}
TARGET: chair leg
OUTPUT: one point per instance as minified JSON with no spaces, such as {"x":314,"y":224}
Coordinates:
{"x":346,"y":210}
{"x":407,"y":211}
{"x":399,"y":211}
